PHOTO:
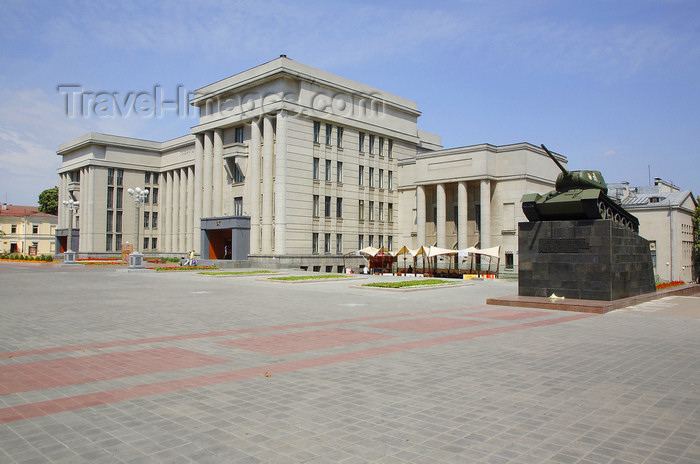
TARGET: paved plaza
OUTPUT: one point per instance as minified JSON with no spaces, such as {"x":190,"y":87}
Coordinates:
{"x":103,"y":366}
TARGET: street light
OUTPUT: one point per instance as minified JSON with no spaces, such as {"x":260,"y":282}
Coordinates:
{"x":139,"y":196}
{"x":69,"y":255}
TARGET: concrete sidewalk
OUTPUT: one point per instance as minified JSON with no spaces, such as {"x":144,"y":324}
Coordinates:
{"x":98,"y":366}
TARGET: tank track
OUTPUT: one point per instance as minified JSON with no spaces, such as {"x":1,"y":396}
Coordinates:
{"x":605,"y":208}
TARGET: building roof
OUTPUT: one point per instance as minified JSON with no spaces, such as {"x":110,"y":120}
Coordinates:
{"x":22,"y":211}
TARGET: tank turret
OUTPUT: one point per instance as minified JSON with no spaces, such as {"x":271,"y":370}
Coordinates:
{"x":578,"y":195}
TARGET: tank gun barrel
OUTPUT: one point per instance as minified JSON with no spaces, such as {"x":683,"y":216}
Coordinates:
{"x":563,"y":169}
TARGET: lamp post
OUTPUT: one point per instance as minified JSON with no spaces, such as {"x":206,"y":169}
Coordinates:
{"x":139,"y":196}
{"x":72,"y":206}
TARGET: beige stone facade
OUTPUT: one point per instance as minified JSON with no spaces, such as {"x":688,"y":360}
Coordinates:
{"x":321,"y":165}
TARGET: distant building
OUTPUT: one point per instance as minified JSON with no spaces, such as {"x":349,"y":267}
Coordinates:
{"x":291,"y":166}
{"x":665,"y":216}
{"x":27,"y":231}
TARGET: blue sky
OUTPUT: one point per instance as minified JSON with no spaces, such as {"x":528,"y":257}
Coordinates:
{"x":614,"y":85}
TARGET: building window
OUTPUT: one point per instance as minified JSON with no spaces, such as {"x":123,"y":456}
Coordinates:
{"x":147,"y":198}
{"x":361,"y":174}
{"x":327,"y":206}
{"x":390,"y":180}
{"x":110,"y":176}
{"x":154,"y":243}
{"x":371,"y":144}
{"x":371,"y":177}
{"x":381,"y":241}
{"x":362,"y":211}
{"x":328,"y":170}
{"x":316,"y":168}
{"x":155,"y":178}
{"x":238,"y":206}
{"x":509,"y":260}
{"x":317,"y":131}
{"x":339,"y":172}
{"x":120,"y":177}
{"x":339,"y":207}
{"x":360,"y":242}
{"x":110,"y":197}
{"x":147,"y":177}
{"x":381,"y":211}
{"x":339,"y":137}
{"x":108,"y":242}
{"x":118,"y":225}
{"x":381,"y":178}
{"x":329,"y":133}
{"x":35,"y":229}
{"x":237,"y":174}
{"x":118,"y":242}
{"x":390,"y":243}
{"x":120,"y":197}
{"x":314,"y":242}
{"x":338,"y":243}
{"x":154,"y":220}
{"x":238,"y":135}
{"x":362,"y":142}
{"x":155,"y":195}
{"x":315,"y":206}
{"x":390,"y":148}
{"x":145,"y":243}
{"x":381,"y":146}
{"x":110,"y":221}
{"x":371,"y":211}
{"x":371,"y":240}
{"x":13,"y":229}
{"x":327,"y":243}
{"x":390,"y":212}
{"x":146,"y":219}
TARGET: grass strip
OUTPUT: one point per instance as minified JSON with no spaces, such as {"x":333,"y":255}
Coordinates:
{"x":312,"y":277}
{"x":222,"y":273}
{"x":410,"y":283}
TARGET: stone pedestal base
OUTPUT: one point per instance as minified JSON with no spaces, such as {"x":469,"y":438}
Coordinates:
{"x":583,"y":259}
{"x":136,"y":261}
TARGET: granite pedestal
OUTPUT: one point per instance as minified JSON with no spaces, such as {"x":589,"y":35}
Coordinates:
{"x":583,"y":259}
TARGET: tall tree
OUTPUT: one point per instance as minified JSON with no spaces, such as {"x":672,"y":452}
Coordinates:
{"x":48,"y":201}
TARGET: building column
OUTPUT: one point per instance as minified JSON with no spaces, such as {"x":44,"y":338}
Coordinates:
{"x":167,"y":229}
{"x":420,"y":214}
{"x":462,"y":215}
{"x":82,"y":212}
{"x":218,"y":173}
{"x":175,"y":244}
{"x":91,"y":207}
{"x":207,"y":174}
{"x":441,"y":219}
{"x":253,"y":181}
{"x":281,"y":184}
{"x":267,"y":187}
{"x":62,"y":196}
{"x":197,"y":203}
{"x":485,"y":232}
{"x":182,"y":237}
{"x":189,"y":236}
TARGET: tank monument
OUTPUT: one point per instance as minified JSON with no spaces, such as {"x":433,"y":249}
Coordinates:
{"x":579,"y":243}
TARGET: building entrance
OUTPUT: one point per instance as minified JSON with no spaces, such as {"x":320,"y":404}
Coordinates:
{"x":225,"y":238}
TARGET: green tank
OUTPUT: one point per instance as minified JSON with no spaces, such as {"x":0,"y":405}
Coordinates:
{"x":578,"y":195}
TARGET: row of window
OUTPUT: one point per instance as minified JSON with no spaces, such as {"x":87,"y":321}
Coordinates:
{"x":328,"y":201}
{"x":35,"y":229}
{"x":375,"y":144}
{"x":119,"y":175}
{"x":113,"y":242}
{"x":339,"y":242}
{"x":151,"y":178}
{"x":152,"y":193}
{"x":361,"y":174}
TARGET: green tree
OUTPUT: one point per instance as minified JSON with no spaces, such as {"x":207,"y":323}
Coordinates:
{"x":48,"y":201}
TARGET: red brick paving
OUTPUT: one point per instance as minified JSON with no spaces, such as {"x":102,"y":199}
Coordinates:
{"x":428,"y":324}
{"x":37,"y":375}
{"x":506,"y":314}
{"x":304,"y":341}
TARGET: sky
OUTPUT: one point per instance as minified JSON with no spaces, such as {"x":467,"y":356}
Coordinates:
{"x":613,"y":85}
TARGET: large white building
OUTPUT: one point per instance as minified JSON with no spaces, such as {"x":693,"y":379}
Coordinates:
{"x":665,"y":214}
{"x":291,"y":166}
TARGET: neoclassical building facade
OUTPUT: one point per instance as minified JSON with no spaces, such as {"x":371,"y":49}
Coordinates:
{"x":291,"y":166}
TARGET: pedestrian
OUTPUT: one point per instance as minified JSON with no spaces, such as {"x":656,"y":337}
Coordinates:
{"x":190,"y":262}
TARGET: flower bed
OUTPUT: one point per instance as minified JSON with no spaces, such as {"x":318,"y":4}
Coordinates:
{"x":675,"y":283}
{"x":410,"y":283}
{"x":185,"y":268}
